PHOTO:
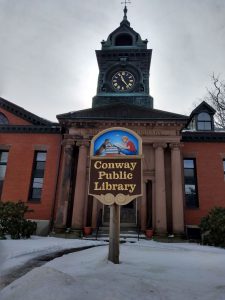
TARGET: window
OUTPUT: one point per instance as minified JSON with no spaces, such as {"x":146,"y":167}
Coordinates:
{"x":3,"y":119}
{"x":192,"y":124}
{"x":204,"y":121}
{"x":38,"y":176}
{"x":3,"y":164}
{"x":124,"y":40}
{"x":190,"y":183}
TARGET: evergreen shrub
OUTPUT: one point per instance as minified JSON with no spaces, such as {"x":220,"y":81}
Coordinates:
{"x":13,"y":222}
{"x":213,"y":227}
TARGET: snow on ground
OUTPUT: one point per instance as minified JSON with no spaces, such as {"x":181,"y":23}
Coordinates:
{"x":14,"y":253}
{"x":148,"y":270}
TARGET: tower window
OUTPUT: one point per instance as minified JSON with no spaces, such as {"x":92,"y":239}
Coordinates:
{"x":38,"y":176}
{"x":124,"y":40}
{"x":190,"y":183}
{"x":204,"y":121}
{"x":3,"y":119}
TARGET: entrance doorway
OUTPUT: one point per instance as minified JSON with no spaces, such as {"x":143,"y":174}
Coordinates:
{"x":128,"y":214}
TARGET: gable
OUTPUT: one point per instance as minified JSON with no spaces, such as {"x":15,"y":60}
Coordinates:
{"x":125,"y":30}
{"x":13,"y":119}
{"x":203,"y":107}
{"x":20,"y":116}
{"x":18,"y":120}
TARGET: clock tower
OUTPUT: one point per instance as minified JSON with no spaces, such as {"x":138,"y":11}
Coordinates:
{"x":123,"y":100}
{"x":124,"y":65}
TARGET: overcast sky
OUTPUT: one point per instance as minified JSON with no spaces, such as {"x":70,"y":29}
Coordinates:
{"x":47,"y":50}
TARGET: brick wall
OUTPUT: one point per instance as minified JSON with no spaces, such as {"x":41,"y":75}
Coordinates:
{"x":19,"y":169}
{"x":210,"y":178}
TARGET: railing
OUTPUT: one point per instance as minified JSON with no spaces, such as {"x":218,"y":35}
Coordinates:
{"x":99,"y":224}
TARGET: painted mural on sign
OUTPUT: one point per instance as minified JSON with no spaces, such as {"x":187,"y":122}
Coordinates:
{"x":116,"y":142}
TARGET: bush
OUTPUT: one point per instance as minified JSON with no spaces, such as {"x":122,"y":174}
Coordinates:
{"x":12,"y":221}
{"x":213,"y":227}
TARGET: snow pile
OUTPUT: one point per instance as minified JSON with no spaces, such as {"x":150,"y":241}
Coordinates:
{"x":148,"y":270}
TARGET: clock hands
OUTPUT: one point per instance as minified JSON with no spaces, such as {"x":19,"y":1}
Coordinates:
{"x":123,"y":81}
{"x":121,"y":76}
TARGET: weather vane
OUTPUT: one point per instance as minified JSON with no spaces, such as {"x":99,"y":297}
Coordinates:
{"x":126,"y":2}
{"x":125,"y":8}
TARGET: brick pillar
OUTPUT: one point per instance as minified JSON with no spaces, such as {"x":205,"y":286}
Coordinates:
{"x":64,"y":184}
{"x":81,"y":187}
{"x":160,"y":191}
{"x":177,"y":189}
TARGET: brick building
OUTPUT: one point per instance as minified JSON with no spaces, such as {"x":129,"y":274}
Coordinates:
{"x":30,"y":150}
{"x":46,"y":164}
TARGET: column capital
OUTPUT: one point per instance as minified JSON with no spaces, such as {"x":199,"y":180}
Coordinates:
{"x":82,"y":143}
{"x":145,"y":180}
{"x":176,"y":146}
{"x":68,"y":146}
{"x":159,"y":145}
{"x":67,"y":143}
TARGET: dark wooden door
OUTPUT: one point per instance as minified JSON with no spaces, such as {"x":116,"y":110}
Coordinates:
{"x":127,"y":214}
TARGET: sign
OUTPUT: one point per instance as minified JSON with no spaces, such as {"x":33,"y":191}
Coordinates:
{"x":115,"y":176}
{"x":116,"y":166}
{"x":115,"y":180}
{"x":116,"y":142}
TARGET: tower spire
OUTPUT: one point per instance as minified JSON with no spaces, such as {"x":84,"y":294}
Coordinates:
{"x":125,"y":2}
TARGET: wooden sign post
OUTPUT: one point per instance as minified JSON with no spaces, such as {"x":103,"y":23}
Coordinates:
{"x":115,"y":176}
{"x":114,"y":234}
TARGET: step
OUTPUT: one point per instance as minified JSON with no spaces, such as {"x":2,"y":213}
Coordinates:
{"x":124,"y":235}
{"x":122,"y":238}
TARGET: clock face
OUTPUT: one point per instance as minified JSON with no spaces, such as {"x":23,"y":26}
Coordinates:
{"x":123,"y":81}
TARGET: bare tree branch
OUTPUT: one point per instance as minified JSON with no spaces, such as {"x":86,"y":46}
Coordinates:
{"x":216,"y":98}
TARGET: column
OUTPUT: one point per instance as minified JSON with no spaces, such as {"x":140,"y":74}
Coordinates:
{"x":86,"y":206}
{"x":94,"y":213}
{"x":143,"y":207}
{"x":160,"y":192}
{"x":64,"y":184}
{"x":177,"y":189}
{"x":81,"y":187}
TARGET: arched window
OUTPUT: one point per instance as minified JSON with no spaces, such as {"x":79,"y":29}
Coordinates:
{"x":204,"y":121}
{"x":124,"y":40}
{"x":3,"y":119}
